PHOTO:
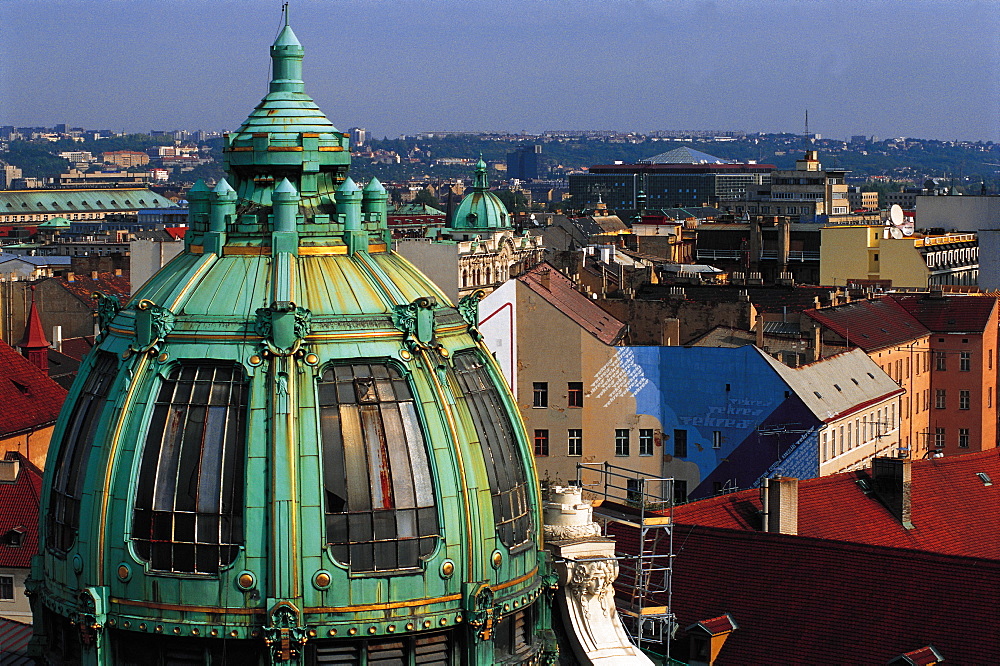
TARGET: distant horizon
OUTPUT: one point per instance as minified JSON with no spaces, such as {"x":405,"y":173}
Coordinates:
{"x":874,"y":67}
{"x":647,"y":133}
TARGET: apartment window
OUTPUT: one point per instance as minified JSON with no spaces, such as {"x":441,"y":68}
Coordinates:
{"x":680,"y":491}
{"x":940,"y":360}
{"x":939,"y":438}
{"x":680,"y":443}
{"x":965,"y":361}
{"x":189,"y":496}
{"x":574,"y":442}
{"x":989,"y":396}
{"x":540,"y":394}
{"x":541,"y":442}
{"x":621,"y":442}
{"x":964,"y":398}
{"x":963,"y":438}
{"x":716,"y":439}
{"x":6,"y":588}
{"x":645,"y":441}
{"x":824,"y":450}
{"x":850,"y":438}
{"x":574,"y":394}
{"x":939,"y":399}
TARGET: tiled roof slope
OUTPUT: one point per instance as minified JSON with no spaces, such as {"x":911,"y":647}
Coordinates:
{"x":837,"y":385}
{"x":953,"y":511}
{"x":870,"y":324}
{"x":83,"y":287}
{"x":562,"y":295}
{"x":19,"y":500}
{"x":29,"y":398}
{"x":809,"y":601}
{"x":950,"y":314}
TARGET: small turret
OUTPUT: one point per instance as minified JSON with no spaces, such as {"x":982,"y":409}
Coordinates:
{"x":34,"y":346}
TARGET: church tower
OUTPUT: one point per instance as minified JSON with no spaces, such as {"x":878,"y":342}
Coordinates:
{"x":289,"y":447}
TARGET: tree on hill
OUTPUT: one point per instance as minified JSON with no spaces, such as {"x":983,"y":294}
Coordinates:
{"x":424,"y":196}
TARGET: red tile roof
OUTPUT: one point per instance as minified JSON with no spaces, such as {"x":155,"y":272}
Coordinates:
{"x":14,"y":637}
{"x":870,"y":324}
{"x":953,"y":511}
{"x":83,"y":287}
{"x":799,"y":600}
{"x":29,"y":398}
{"x":19,"y":500}
{"x":950,"y":314}
{"x":177,"y":233}
{"x":561,"y":294}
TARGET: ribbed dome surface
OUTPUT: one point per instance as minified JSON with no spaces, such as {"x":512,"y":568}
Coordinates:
{"x":289,"y":447}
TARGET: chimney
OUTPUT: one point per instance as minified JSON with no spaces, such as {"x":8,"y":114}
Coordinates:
{"x":93,"y":275}
{"x":57,"y":338}
{"x":892,"y":485}
{"x":817,"y":342}
{"x":118,"y":272}
{"x":758,"y":327}
{"x":782,"y":505}
{"x":816,"y":304}
{"x":70,"y":276}
{"x":9,"y":469}
{"x":544,"y":279}
{"x":671,"y":332}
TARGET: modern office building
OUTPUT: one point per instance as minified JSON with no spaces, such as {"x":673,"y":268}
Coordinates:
{"x":678,"y":178}
{"x":808,"y":192}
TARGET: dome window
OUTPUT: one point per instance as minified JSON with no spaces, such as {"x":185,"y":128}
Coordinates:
{"x":504,"y":466}
{"x":189,"y":501}
{"x":74,"y":453}
{"x":380,"y":507}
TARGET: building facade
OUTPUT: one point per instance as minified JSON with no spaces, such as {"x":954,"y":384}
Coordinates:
{"x":809,"y":191}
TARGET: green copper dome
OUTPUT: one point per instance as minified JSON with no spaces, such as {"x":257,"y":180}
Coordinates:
{"x":480,"y":210}
{"x":289,"y":447}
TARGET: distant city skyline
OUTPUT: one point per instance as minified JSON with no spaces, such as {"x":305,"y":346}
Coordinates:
{"x":925,"y":69}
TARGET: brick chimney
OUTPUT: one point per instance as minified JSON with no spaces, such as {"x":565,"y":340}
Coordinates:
{"x":781,"y":504}
{"x":891,"y":477}
{"x":758,"y":327}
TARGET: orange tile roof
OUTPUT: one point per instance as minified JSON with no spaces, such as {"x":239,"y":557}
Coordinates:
{"x":19,"y":500}
{"x":953,"y":511}
{"x":29,"y":398}
{"x":562,"y":295}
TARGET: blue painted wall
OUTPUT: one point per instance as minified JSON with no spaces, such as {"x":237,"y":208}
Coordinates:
{"x":730,"y":390}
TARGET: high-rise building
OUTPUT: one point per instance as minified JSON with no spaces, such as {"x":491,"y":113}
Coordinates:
{"x":525,"y":163}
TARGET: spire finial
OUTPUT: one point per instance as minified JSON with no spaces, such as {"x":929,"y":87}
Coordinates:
{"x":284,"y":11}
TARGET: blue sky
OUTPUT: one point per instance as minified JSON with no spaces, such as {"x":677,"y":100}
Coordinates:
{"x":928,"y":69}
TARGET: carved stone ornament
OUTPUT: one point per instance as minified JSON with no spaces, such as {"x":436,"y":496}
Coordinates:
{"x":592,"y":581}
{"x":285,"y":638}
{"x":560,"y":532}
{"x":283,"y":326}
{"x":107,"y":308}
{"x":416,"y":320}
{"x":484,"y":615}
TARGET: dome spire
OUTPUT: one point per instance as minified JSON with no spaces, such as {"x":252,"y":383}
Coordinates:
{"x":34,"y":346}
{"x":286,"y":60}
{"x":481,"y":181}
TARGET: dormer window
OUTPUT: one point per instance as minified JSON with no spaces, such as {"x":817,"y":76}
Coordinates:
{"x":189,"y":498}
{"x":381,"y":512}
{"x":13,"y":538}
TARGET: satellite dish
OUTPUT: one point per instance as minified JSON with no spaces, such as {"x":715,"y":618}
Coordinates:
{"x":907,"y":227}
{"x":896,"y":232}
{"x":896,"y":215}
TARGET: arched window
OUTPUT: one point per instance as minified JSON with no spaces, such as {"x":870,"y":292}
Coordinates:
{"x":488,"y":276}
{"x":380,"y":508}
{"x":189,"y":500}
{"x":504,"y":466}
{"x":465,"y":278}
{"x":77,"y":444}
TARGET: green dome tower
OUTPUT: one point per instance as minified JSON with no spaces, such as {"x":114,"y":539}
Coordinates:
{"x":480,"y":211}
{"x":289,"y":447}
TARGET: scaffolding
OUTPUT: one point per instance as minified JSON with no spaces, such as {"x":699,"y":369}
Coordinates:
{"x":644,"y":503}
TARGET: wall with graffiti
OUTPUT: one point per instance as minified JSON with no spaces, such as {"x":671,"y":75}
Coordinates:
{"x":727,"y":417}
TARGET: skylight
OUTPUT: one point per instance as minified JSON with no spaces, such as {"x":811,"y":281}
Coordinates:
{"x":985,"y":478}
